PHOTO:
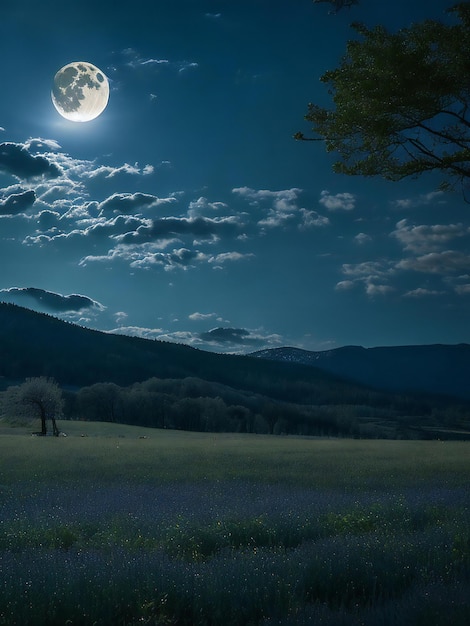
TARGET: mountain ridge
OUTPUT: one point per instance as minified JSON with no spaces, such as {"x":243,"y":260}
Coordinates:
{"x":38,"y":344}
{"x":428,"y":368}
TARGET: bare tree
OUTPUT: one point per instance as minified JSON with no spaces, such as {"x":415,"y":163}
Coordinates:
{"x":36,"y":398}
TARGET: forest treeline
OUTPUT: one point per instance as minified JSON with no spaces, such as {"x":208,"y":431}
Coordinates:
{"x":198,"y":405}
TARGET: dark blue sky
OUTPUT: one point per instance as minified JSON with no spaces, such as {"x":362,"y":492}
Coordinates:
{"x":186,"y":211}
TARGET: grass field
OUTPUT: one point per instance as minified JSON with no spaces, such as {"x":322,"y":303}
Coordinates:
{"x":122,"y":525}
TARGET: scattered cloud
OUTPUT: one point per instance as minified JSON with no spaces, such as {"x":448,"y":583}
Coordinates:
{"x":280,"y":208}
{"x":202,"y":206}
{"x":366,"y":269}
{"x":228,"y":340}
{"x":107,"y":171}
{"x":463,"y":290}
{"x":15,"y":159}
{"x":312,"y":219}
{"x":168,"y":227}
{"x":200,"y":317}
{"x":223,"y":257}
{"x":362,"y":238}
{"x":374,"y":289}
{"x":226,"y":335}
{"x":338,"y":202}
{"x":141,"y":257}
{"x":421,"y":200}
{"x":237,"y":338}
{"x":444,"y":263}
{"x":345,"y":285}
{"x":134,"y":60}
{"x":129,"y":202}
{"x":17,"y":202}
{"x":372,"y":276}
{"x":137,"y":331}
{"x":426,"y":238}
{"x":120,"y":317}
{"x":52,"y":301}
{"x":38,"y":144}
{"x":421,"y":292}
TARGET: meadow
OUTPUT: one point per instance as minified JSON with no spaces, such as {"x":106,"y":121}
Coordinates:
{"x":123,"y":525}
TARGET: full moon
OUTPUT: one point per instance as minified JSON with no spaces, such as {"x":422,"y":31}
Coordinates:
{"x":80,"y":91}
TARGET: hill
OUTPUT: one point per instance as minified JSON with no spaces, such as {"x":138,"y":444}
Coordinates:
{"x":429,"y":369}
{"x":36,"y":344}
{"x":160,"y":384}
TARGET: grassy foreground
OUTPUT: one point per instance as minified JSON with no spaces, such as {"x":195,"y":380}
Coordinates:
{"x":114,"y":452}
{"x":122,"y":525}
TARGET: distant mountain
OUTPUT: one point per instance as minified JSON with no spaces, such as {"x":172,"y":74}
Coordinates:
{"x":430,"y":369}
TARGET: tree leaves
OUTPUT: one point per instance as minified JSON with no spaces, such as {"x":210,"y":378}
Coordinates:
{"x":401,"y":102}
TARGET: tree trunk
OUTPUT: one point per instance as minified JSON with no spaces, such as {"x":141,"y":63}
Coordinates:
{"x":43,"y":422}
{"x":55,"y":430}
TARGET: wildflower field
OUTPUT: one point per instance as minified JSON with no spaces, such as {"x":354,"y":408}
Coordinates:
{"x":117,"y":525}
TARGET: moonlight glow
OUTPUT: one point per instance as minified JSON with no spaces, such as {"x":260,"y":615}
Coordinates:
{"x":80,"y":91}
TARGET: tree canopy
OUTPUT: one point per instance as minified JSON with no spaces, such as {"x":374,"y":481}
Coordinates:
{"x":36,"y":398}
{"x":401,"y":102}
{"x":338,"y":4}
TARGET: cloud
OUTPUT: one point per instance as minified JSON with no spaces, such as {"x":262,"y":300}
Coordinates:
{"x":144,"y":257}
{"x":226,"y":335}
{"x":53,"y":301}
{"x":167,"y":227}
{"x":362,"y":238}
{"x":443,"y":263}
{"x":120,"y":317}
{"x":463,"y":290}
{"x":16,"y":160}
{"x":219,"y":339}
{"x":135,"y":61}
{"x":197,"y":317}
{"x":427,"y":238}
{"x":48,"y":219}
{"x":38,"y":144}
{"x":312,"y":219}
{"x":223,"y":257}
{"x":345,"y":285}
{"x":374,"y":289}
{"x":421,"y":292}
{"x":236,"y":338}
{"x":129,"y":202}
{"x":201,"y":206}
{"x":421,"y":200}
{"x":17,"y":203}
{"x":373,"y":276}
{"x":282,"y":205}
{"x":137,"y":331}
{"x":366,"y":269}
{"x":338,"y":202}
{"x":94,"y":229}
{"x":107,"y":171}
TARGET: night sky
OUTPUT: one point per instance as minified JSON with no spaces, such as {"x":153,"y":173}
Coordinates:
{"x":186,"y":211}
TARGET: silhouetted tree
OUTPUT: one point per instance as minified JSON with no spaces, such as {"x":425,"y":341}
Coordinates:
{"x":38,"y":398}
{"x":338,"y":4}
{"x":402,"y":102}
{"x":101,"y":402}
